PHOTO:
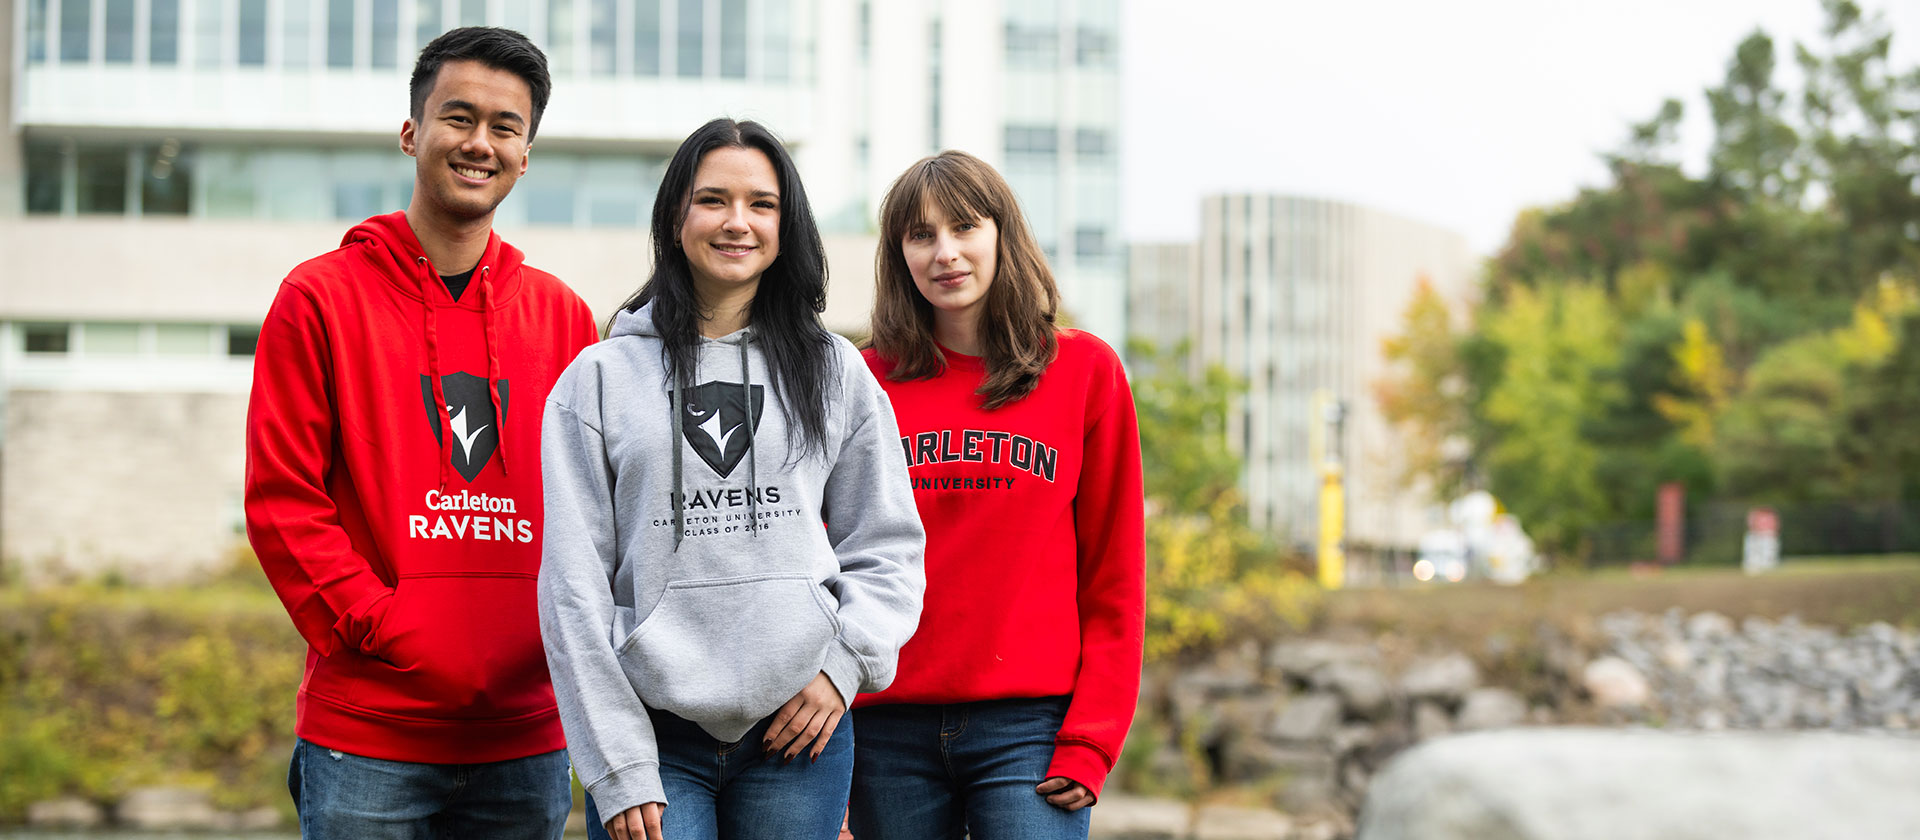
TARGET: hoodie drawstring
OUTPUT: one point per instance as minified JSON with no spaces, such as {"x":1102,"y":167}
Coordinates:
{"x":679,"y":486}
{"x":753,"y":482}
{"x":443,"y":422}
{"x":493,"y":365}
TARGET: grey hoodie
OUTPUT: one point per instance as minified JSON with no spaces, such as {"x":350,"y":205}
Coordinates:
{"x":716,"y":620}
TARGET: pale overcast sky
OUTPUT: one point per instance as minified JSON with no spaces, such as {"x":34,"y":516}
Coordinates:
{"x":1454,"y":113}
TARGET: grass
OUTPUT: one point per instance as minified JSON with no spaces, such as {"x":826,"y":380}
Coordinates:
{"x":1829,"y":591}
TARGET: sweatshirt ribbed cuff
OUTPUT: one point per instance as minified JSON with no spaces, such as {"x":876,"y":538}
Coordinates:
{"x":628,"y":787}
{"x":843,"y":668}
{"x":1080,"y":763}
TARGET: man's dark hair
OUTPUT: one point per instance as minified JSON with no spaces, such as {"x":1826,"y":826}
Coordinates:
{"x":500,"y":49}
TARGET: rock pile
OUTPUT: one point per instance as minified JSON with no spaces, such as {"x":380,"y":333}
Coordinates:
{"x":1704,"y":672}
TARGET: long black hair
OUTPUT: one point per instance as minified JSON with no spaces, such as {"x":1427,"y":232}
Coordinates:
{"x":787,"y":303}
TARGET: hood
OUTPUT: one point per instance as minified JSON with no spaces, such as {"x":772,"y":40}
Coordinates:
{"x":391,"y":244}
{"x":390,"y":241}
{"x":639,"y":322}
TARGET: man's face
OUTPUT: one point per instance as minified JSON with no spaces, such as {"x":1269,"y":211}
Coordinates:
{"x":471,"y":143}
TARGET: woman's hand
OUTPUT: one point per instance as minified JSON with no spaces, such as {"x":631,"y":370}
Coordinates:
{"x":641,"y":822}
{"x":809,"y":718}
{"x":1064,"y":793}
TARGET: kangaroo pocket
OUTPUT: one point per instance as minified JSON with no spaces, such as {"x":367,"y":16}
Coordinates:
{"x":730,"y":650}
{"x":460,"y":648}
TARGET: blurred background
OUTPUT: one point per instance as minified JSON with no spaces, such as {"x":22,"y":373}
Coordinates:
{"x":1499,"y":362}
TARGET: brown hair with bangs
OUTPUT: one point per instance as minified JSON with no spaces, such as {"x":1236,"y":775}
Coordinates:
{"x":1017,"y":327}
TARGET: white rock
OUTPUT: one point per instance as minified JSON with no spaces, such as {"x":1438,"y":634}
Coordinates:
{"x":1313,"y":716}
{"x":1491,"y":708}
{"x":1301,"y":659}
{"x":1592,"y":784}
{"x":1120,"y":817}
{"x":1615,"y":683}
{"x":1447,"y":678}
{"x":1223,"y":822}
{"x":1709,"y":625}
{"x":1430,"y":721}
{"x":1362,"y":686}
{"x":69,"y":812}
{"x":170,"y":809}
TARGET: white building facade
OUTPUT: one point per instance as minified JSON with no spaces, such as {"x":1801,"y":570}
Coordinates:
{"x":165,"y":162}
{"x":1295,"y":296}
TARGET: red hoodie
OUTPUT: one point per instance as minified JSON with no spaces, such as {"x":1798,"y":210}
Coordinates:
{"x":406,"y":554}
{"x":1035,"y":549}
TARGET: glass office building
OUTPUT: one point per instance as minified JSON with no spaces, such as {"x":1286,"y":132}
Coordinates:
{"x":165,"y":162}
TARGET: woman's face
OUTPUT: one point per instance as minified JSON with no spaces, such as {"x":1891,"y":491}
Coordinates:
{"x":952,"y":260}
{"x":732,"y":230}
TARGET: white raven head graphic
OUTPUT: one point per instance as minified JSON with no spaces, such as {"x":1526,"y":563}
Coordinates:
{"x":717,"y":422}
{"x":469,"y":416}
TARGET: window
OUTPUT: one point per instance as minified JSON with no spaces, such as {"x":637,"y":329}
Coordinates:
{"x":559,"y":46}
{"x":1092,"y":143}
{"x":386,"y":33}
{"x":168,"y":180}
{"x":50,"y":339}
{"x":426,"y":17}
{"x":46,"y":174}
{"x":119,"y":40}
{"x":776,"y":30}
{"x":241,"y":341}
{"x":733,"y":39}
{"x":75,"y":17}
{"x":866,"y":30}
{"x":692,"y":28}
{"x":209,"y":48}
{"x":163,"y":45}
{"x":646,"y":38}
{"x":1093,"y":47}
{"x":183,"y":339}
{"x":1032,"y":46}
{"x":297,"y":20}
{"x":549,"y":205}
{"x":36,"y":31}
{"x":355,"y":201}
{"x":102,"y":182}
{"x":601,"y":37}
{"x":339,"y":33}
{"x":1090,"y":242}
{"x":253,"y":33}
{"x":1032,"y":140}
{"x":110,"y":339}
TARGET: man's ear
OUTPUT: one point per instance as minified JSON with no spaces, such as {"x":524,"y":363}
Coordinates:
{"x":406,"y":137}
{"x":523,"y":158}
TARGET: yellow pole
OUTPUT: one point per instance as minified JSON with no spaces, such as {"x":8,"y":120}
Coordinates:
{"x":1333,"y":523}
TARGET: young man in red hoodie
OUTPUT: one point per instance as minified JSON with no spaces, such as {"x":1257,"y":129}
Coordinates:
{"x":393,"y":480}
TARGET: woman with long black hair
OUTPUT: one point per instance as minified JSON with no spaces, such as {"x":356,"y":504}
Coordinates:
{"x":732,"y":551}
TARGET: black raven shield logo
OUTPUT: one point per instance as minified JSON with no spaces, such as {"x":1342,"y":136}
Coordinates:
{"x":715,"y":422}
{"x":476,"y":432}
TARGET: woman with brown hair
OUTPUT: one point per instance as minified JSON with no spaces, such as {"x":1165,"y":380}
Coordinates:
{"x":1015,"y":694}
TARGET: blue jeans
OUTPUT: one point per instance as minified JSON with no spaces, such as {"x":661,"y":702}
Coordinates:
{"x":341,"y":795}
{"x":726,"y":790}
{"x":924,"y":772}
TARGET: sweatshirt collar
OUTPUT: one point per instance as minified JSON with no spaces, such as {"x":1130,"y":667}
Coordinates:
{"x":395,"y":247}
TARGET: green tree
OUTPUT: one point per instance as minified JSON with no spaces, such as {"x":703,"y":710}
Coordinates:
{"x":1560,"y":343}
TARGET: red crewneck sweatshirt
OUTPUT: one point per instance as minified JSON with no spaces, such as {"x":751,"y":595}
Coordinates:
{"x":1034,"y":546}
{"x":393,"y":493}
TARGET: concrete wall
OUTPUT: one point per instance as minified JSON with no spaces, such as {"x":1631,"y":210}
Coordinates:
{"x":118,"y":268}
{"x":147,"y":484}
